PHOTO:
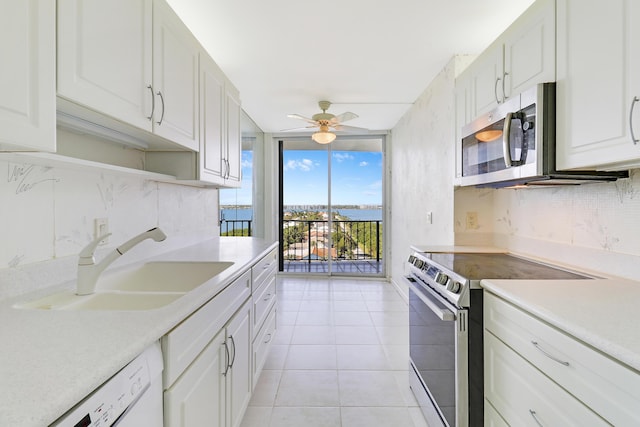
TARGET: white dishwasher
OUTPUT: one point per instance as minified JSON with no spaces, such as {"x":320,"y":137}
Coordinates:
{"x":132,"y":397}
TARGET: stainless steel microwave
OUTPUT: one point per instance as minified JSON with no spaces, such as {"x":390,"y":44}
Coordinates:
{"x":514,"y":145}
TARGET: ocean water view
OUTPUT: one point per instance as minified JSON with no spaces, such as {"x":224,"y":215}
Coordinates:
{"x":246,"y":214}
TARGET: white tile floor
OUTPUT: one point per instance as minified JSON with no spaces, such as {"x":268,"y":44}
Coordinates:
{"x":339,"y":360}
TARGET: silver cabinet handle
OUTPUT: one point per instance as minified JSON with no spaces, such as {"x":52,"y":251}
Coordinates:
{"x":495,"y":90}
{"x":535,"y":417}
{"x":555,"y":359}
{"x":233,"y":360}
{"x":268,"y":338}
{"x":633,"y":104}
{"x":504,"y":79}
{"x":153,"y":103}
{"x":267,"y":298}
{"x":228,"y":365}
{"x":162,"y":115}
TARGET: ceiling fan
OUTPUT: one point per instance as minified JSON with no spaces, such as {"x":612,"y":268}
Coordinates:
{"x":325,"y":122}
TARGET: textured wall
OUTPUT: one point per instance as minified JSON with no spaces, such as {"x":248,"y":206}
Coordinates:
{"x":422,"y":169}
{"x":48,"y":213}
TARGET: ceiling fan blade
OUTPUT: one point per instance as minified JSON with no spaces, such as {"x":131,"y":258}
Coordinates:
{"x":340,"y":118}
{"x":298,"y":129}
{"x":349,"y":129}
{"x":298,"y":116}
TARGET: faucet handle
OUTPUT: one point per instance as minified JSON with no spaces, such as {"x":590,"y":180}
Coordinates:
{"x":86,"y":254}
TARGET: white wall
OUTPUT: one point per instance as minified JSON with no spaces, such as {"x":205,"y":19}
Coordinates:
{"x":47,"y":215}
{"x":422,"y":156}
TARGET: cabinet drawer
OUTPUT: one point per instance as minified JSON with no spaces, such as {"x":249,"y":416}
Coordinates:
{"x":183,"y":344}
{"x":264,"y":268}
{"x":523,"y":395}
{"x":262,"y":301}
{"x":609,"y":388}
{"x":262,"y":344}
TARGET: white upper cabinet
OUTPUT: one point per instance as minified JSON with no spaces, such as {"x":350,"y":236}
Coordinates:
{"x":234,"y":137}
{"x":131,"y":60}
{"x":212,"y":131}
{"x":175,"y":78}
{"x":27,"y":75}
{"x":598,"y":82}
{"x":105,"y":57}
{"x":220,"y":139}
{"x":521,"y":57}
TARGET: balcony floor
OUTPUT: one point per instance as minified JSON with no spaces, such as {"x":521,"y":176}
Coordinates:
{"x":372,"y":267}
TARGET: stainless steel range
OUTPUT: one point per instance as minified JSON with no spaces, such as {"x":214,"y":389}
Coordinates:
{"x":445,"y":328}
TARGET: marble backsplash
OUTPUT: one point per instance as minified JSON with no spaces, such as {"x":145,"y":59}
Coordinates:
{"x":593,"y":226}
{"x":47,"y":215}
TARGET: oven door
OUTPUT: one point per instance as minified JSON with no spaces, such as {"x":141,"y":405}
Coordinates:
{"x":438,"y":350}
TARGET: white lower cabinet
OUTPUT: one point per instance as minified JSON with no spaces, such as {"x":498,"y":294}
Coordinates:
{"x":522,"y":395}
{"x":198,"y":397}
{"x":264,"y":309}
{"x":238,"y":375}
{"x":536,"y":372}
{"x":216,"y":388}
{"x":208,"y":374}
{"x":213,"y":359}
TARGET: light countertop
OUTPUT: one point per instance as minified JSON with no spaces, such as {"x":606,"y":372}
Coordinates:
{"x":602,"y":313}
{"x":50,"y":360}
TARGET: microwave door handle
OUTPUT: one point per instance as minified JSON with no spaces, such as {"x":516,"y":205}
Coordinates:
{"x":506,"y":141}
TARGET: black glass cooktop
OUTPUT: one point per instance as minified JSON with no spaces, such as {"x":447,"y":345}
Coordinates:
{"x":478,"y":266}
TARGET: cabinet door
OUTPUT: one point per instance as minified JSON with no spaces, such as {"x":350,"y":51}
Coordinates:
{"x":212,"y":129}
{"x":27,"y":75}
{"x":530,"y":49}
{"x":234,"y":138}
{"x":197,"y":398}
{"x":239,"y":386}
{"x":463,"y":116}
{"x":175,"y":78}
{"x":522,"y":395}
{"x":487,"y":80}
{"x":104,"y":57}
{"x":597,"y":65}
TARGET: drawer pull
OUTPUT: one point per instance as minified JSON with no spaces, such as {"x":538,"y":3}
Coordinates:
{"x":267,"y":298}
{"x":555,"y":359}
{"x":535,"y":417}
{"x":268,"y":338}
{"x":267,"y":266}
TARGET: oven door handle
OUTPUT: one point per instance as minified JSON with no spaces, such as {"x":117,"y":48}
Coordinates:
{"x":442,"y":313}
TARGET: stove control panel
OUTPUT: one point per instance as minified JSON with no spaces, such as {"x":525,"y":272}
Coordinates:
{"x":436,"y":277}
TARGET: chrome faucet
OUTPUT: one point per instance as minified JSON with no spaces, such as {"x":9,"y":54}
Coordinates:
{"x":89,"y":271}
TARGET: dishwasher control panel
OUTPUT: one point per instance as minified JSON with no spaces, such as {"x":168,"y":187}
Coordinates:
{"x":112,"y":399}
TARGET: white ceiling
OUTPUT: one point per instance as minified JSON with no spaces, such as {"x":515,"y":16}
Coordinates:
{"x":373,"y":58}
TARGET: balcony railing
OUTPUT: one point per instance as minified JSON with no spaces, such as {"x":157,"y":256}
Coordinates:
{"x":235,"y":227}
{"x":356,"y":246}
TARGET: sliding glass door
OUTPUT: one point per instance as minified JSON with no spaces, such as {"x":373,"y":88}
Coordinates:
{"x":331,"y":219}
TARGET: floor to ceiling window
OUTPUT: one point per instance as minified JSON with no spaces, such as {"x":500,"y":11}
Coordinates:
{"x":331,"y":219}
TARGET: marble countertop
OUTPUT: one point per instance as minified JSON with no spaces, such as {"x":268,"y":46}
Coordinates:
{"x":50,"y":360}
{"x":602,"y":313}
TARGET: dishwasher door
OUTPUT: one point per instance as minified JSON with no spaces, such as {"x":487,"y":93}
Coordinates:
{"x":131,"y":398}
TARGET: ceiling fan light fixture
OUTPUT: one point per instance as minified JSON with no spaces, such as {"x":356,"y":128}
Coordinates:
{"x":323,"y":136}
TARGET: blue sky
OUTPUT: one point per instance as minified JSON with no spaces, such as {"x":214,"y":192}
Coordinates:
{"x":356,"y":178}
